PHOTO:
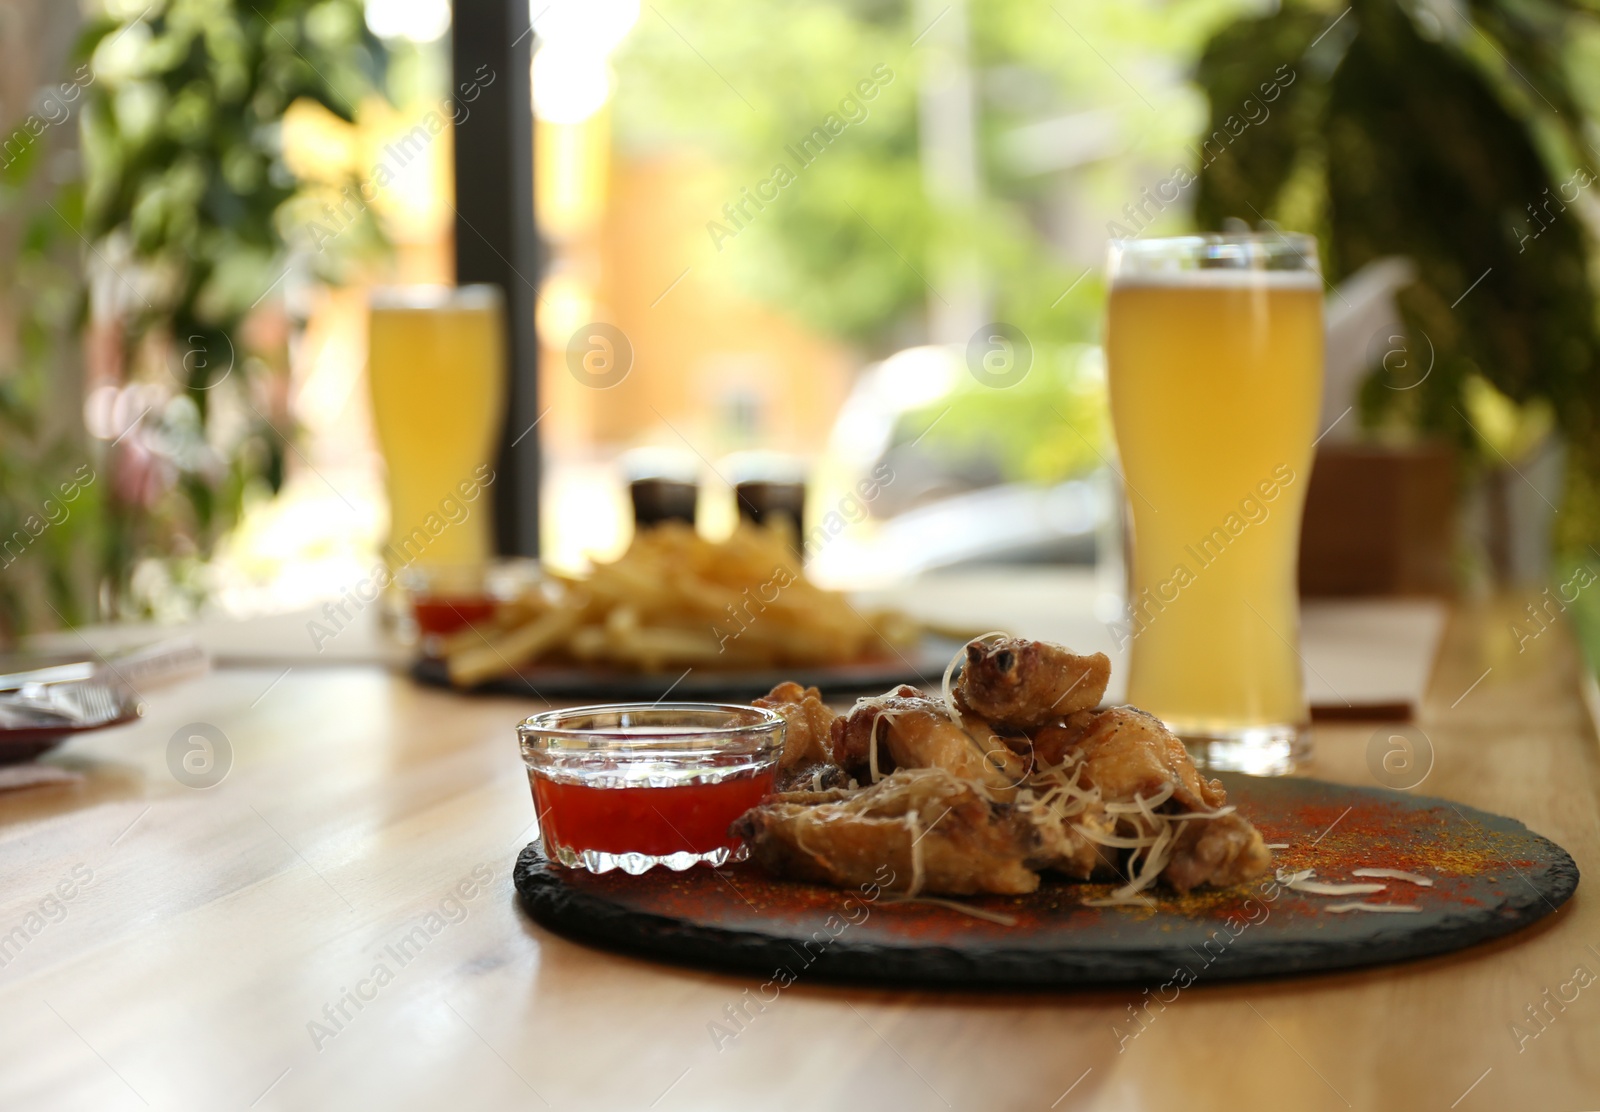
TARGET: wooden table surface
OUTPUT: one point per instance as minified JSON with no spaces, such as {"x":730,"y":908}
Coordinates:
{"x":174,"y":947}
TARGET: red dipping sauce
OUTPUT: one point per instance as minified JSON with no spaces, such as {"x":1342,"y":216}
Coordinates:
{"x":446,"y":613}
{"x":636,"y":785}
{"x":690,"y":818}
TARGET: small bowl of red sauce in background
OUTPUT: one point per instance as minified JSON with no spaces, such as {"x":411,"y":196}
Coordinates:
{"x":444,"y":599}
{"x":637,"y":785}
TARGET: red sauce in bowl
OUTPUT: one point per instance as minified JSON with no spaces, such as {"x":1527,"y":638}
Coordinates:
{"x":448,"y":613}
{"x":688,"y":818}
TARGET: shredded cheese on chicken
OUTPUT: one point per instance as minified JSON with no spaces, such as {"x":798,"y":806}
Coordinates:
{"x":1154,"y":836}
{"x":914,"y":821}
{"x":1054,"y":796}
{"x":872,"y":750}
{"x":950,"y":671}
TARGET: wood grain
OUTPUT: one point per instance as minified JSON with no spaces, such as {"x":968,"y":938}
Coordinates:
{"x":217,"y":924}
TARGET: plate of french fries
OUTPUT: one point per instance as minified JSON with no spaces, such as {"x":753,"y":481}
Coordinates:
{"x":721,"y":616}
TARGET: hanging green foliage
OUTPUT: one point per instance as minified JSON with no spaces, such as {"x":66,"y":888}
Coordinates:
{"x":184,"y":211}
{"x":1455,"y":143}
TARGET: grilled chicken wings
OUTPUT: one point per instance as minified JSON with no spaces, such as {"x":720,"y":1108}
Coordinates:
{"x":1021,"y":685}
{"x":1019,"y":775}
{"x":936,"y":831}
{"x":907,"y":729}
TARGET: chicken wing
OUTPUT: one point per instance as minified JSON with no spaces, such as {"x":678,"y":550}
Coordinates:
{"x":1130,"y":755}
{"x":1127,"y":752}
{"x":937,"y":833}
{"x":812,"y":776}
{"x":1223,"y":851}
{"x":1017,"y":684}
{"x":1067,"y":845}
{"x":807,"y":723}
{"x":911,"y":730}
{"x":1028,"y":778}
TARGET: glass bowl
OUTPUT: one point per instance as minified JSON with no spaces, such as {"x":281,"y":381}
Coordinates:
{"x":636,"y":785}
{"x":445,"y":598}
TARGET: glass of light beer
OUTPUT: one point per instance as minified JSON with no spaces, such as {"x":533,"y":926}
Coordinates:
{"x":1214,"y":350}
{"x":436,"y":365}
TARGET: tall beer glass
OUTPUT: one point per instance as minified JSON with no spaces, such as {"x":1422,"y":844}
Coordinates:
{"x":1214,"y":348}
{"x":437,"y":368}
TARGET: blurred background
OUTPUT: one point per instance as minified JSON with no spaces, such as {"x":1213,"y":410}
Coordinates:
{"x":858,"y":244}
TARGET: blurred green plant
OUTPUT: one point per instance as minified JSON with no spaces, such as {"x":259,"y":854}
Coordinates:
{"x":1453,"y":136}
{"x":856,"y":243}
{"x":50,"y":505}
{"x":49,"y":545}
{"x":1047,"y":427}
{"x":186,"y":213}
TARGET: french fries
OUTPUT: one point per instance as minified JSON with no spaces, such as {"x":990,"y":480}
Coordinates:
{"x":675,"y":600}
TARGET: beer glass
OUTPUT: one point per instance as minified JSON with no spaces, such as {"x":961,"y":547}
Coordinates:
{"x":437,"y":369}
{"x":1214,"y":353}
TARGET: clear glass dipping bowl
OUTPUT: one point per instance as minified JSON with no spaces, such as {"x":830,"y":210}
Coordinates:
{"x":440,"y":599}
{"x":636,"y":785}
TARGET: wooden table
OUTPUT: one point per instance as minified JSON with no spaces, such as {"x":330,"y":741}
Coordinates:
{"x":212,"y":937}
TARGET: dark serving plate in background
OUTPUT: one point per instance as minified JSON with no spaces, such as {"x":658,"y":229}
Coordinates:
{"x":21,"y":745}
{"x":924,"y":666}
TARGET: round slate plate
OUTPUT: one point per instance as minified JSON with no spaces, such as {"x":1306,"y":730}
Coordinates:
{"x":1492,"y":876}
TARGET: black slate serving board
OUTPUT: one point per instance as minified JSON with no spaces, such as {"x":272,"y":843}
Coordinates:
{"x":1492,"y":876}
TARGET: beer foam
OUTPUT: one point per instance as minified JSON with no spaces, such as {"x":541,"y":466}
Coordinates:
{"x":1220,"y":277}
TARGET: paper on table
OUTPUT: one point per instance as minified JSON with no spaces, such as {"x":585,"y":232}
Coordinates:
{"x":1364,"y":657}
{"x":1370,"y":657}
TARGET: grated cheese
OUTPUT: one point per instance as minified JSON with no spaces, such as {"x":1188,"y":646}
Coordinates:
{"x":1141,"y":805}
{"x":914,"y":821}
{"x":1319,"y":888}
{"x":872,"y":750}
{"x":950,"y":671}
{"x":1360,"y":906}
{"x":1395,"y":874}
